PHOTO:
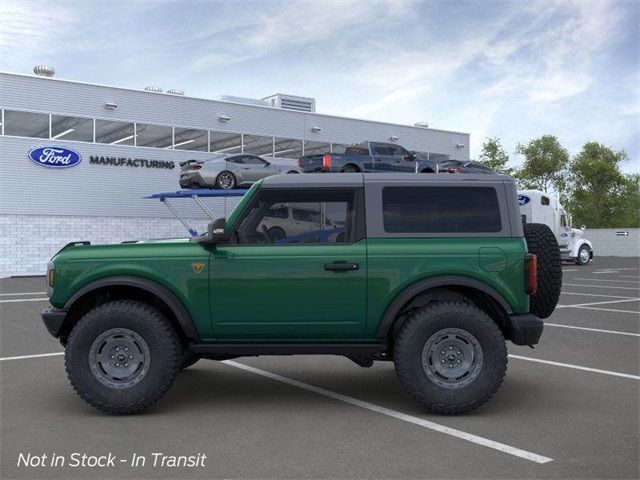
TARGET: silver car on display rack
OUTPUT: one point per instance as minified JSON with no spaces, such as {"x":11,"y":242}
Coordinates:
{"x":230,"y":171}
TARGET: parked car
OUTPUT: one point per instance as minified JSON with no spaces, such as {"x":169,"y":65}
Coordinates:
{"x":229,"y":171}
{"x":460,"y":166}
{"x":435,"y":275}
{"x":285,"y":223}
{"x":369,"y":157}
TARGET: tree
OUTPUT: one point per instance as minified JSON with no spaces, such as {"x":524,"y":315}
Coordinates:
{"x":494,"y":156}
{"x":601,"y":196}
{"x":545,"y":164}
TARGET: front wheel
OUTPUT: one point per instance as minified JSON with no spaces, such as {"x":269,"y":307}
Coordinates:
{"x":225,"y":180}
{"x":451,"y":357}
{"x":584,"y":255}
{"x":122,"y":356}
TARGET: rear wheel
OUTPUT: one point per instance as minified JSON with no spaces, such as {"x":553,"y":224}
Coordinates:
{"x":276,"y":233}
{"x":542,"y":242}
{"x":122,"y":356}
{"x":225,"y":180}
{"x":350,"y":169}
{"x":450,"y":356}
{"x":584,"y":255}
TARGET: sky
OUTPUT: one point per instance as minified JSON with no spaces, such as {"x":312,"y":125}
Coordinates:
{"x":514,"y":70}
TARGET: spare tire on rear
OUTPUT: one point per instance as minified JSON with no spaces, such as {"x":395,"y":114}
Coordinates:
{"x":542,"y":242}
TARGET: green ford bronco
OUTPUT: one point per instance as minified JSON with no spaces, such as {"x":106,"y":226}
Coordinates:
{"x":432,"y":272}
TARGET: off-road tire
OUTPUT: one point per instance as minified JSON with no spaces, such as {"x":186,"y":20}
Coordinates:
{"x":542,"y":242}
{"x":415,"y":334}
{"x":165,"y":355}
{"x":579,"y":260}
{"x":222,"y":174}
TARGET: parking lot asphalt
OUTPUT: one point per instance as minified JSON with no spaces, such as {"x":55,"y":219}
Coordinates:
{"x":568,"y":408}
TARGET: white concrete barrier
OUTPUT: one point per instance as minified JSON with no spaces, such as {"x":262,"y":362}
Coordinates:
{"x":614,"y":242}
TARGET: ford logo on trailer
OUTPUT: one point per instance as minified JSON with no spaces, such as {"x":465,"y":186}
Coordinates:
{"x":523,"y":199}
{"x":55,"y":157}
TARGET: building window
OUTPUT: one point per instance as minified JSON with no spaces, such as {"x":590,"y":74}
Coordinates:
{"x":316,"y":148}
{"x":258,"y":145}
{"x":338,"y":148}
{"x":440,"y":210}
{"x":190,"y":139}
{"x":26,"y":124}
{"x":287,"y":148}
{"x":114,"y":133}
{"x":227,"y":143}
{"x":157,"y":136}
{"x":72,"y":128}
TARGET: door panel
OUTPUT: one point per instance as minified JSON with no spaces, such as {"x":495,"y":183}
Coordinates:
{"x":284,"y":292}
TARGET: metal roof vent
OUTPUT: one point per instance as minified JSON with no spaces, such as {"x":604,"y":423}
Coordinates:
{"x":292,"y":102}
{"x":422,"y":124}
{"x":44,"y":71}
{"x":175,"y":91}
{"x":153,"y":88}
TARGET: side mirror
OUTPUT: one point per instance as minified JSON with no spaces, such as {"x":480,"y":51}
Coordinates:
{"x":410,"y":156}
{"x":583,"y":228}
{"x":216,"y":232}
{"x":267,"y":163}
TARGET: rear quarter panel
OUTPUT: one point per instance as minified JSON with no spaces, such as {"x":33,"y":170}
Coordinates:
{"x":396,"y":263}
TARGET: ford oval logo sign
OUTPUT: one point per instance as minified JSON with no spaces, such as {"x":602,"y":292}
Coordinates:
{"x":523,"y":199}
{"x":55,"y":157}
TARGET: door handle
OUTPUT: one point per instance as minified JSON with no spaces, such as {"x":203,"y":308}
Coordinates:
{"x":337,"y":266}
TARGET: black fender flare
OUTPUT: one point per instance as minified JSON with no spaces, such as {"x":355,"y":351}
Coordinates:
{"x":169,"y":298}
{"x":394,"y":308}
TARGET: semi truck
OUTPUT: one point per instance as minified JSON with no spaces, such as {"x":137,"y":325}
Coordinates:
{"x":539,"y":207}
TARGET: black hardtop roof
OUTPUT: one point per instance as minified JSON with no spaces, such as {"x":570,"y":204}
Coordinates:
{"x":337,"y":180}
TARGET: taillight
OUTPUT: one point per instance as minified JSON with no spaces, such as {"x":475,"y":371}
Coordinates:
{"x":299,"y":163}
{"x":326,"y":161}
{"x":530,"y":274}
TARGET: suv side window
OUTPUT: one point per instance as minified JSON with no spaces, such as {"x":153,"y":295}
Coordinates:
{"x":441,"y":210}
{"x":317,"y":216}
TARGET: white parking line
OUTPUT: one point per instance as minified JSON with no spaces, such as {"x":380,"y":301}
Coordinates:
{"x":610,"y":310}
{"x":593,"y":295}
{"x":606,"y":280}
{"x":616,"y":332}
{"x":577,"y":367}
{"x":485,"y":442}
{"x":598,"y":303}
{"x":601,"y":286}
{"x":628,"y":276}
{"x":570,"y":269}
{"x":24,"y":300}
{"x":23,"y":293}
{"x":39,"y":355}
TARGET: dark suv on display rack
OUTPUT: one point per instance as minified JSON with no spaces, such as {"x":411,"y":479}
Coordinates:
{"x":432,"y":272}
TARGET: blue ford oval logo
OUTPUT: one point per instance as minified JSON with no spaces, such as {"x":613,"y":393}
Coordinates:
{"x":56,"y":157}
{"x":523,"y":199}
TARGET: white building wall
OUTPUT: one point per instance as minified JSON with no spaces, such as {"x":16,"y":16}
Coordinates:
{"x":42,"y":209}
{"x":612,"y":242}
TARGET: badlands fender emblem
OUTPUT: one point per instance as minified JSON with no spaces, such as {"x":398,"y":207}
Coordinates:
{"x":197,"y":267}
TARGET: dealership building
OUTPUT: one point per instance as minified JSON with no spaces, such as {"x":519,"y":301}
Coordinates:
{"x":127,"y":144}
